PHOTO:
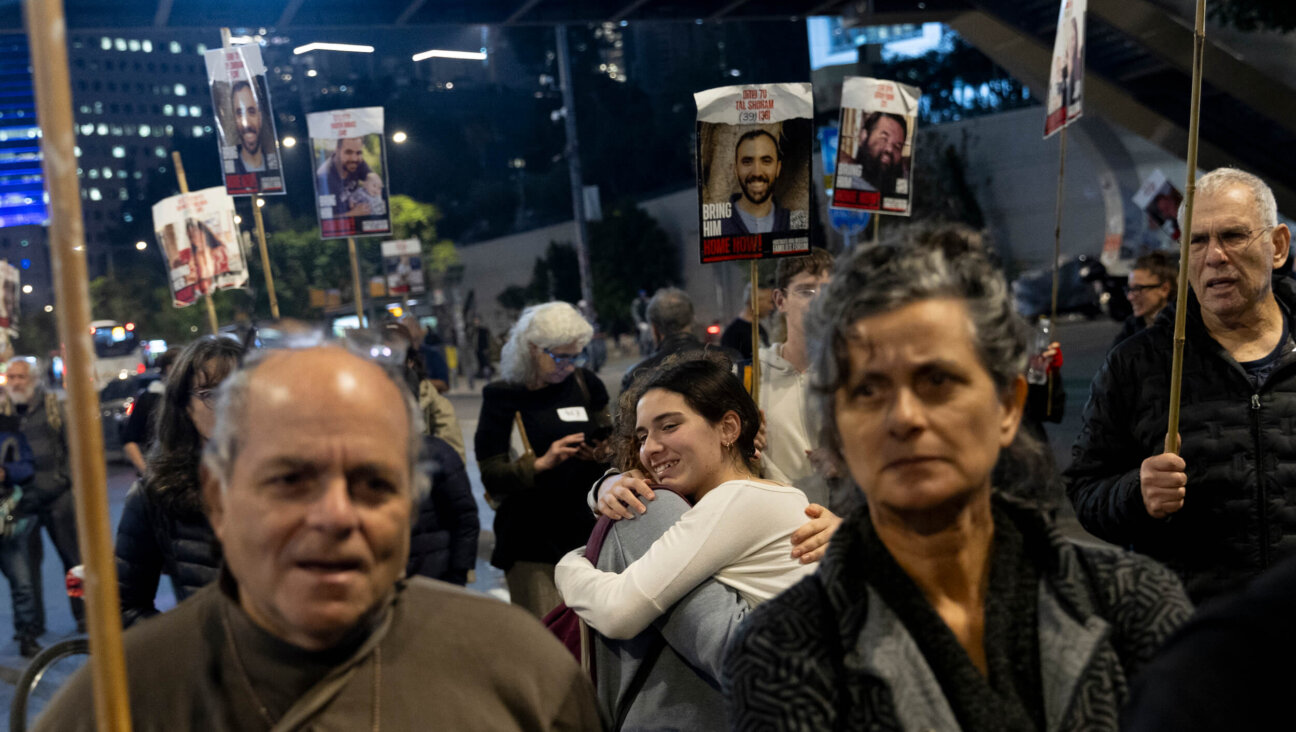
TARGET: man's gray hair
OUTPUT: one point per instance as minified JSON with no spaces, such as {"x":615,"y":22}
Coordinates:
{"x":222,"y":449}
{"x":878,"y":279}
{"x":670,"y":311}
{"x":547,"y":325}
{"x":1221,"y":179}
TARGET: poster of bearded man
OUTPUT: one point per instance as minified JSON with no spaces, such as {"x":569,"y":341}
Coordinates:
{"x":878,"y":126}
{"x":753,"y":163}
{"x":1065,"y":101}
{"x":245,"y":129}
{"x":350,"y":172}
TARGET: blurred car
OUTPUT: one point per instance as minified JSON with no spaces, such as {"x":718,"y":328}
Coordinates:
{"x":116,"y":402}
{"x":1084,"y":287}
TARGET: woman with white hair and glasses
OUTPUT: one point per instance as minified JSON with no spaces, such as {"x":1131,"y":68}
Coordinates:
{"x":560,"y":408}
{"x":945,"y":602}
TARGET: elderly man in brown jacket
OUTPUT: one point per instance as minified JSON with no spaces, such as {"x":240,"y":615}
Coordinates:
{"x":309,"y":479}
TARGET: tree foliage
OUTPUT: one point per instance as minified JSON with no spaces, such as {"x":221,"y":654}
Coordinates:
{"x":629,"y":251}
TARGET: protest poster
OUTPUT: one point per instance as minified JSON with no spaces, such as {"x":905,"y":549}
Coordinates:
{"x":1160,"y":200}
{"x":350,"y":172}
{"x":199,"y":242}
{"x":9,"y":283}
{"x":753,"y":160}
{"x":1066,"y":73}
{"x":245,"y":128}
{"x":403,"y":267}
{"x":875,"y":149}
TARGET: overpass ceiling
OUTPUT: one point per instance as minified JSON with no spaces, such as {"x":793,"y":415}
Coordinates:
{"x":1147,"y":54}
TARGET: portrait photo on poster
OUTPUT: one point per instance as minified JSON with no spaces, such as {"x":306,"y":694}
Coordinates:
{"x":1065,"y":101}
{"x":754,"y":177}
{"x":403,"y":267}
{"x":245,"y":129}
{"x":875,"y":147}
{"x":350,"y":172}
{"x":1160,"y":200}
{"x":198,"y":239}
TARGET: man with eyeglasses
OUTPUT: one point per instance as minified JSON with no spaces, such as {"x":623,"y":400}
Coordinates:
{"x":784,"y":381}
{"x":1151,"y":287}
{"x":1224,"y":508}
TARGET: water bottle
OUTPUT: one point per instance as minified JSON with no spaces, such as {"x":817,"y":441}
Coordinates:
{"x":1037,"y":367}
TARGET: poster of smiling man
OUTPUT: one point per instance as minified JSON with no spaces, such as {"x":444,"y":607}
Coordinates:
{"x":350,"y":172}
{"x":1066,"y":75}
{"x":245,"y":129}
{"x":875,"y":150}
{"x":753,"y":162}
{"x":1160,"y":200}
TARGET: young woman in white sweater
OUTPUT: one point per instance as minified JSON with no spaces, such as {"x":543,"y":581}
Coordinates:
{"x":691,"y":426}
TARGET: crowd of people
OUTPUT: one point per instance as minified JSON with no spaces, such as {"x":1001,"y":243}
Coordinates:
{"x":876,"y":549}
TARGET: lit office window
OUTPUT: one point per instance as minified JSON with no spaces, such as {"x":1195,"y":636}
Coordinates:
{"x":87,"y":129}
{"x":202,"y":48}
{"x":159,"y":151}
{"x":147,"y":46}
{"x":102,"y":129}
{"x":133,"y":44}
{"x":182,"y":111}
{"x":123,"y":194}
{"x":107,"y":173}
{"x":120,"y":44}
{"x":118,"y":151}
{"x":168,"y":110}
{"x":105,"y":43}
{"x":93,"y":174}
{"x":95,"y":195}
{"x":197,"y":131}
{"x":144,"y":130}
{"x":180,"y":90}
{"x":174,"y":47}
{"x":195,"y":112}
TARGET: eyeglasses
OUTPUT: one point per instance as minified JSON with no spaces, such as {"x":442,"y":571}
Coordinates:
{"x":1140,"y":289}
{"x":805,"y":293}
{"x":206,"y":396}
{"x":1232,"y":239}
{"x":562,"y":359}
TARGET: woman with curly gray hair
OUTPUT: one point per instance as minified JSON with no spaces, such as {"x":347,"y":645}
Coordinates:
{"x":561,"y":408}
{"x":943,"y":602}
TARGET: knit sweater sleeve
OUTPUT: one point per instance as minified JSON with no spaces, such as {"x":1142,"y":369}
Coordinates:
{"x":722,"y":528}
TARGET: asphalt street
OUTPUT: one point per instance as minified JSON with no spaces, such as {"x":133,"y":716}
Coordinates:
{"x":1084,"y":345}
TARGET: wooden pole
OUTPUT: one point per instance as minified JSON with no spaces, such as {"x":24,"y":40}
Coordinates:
{"x":265,"y":257}
{"x":355,"y":279}
{"x":207,"y":298}
{"x":1057,"y":266}
{"x":877,"y":228}
{"x":1190,"y":193}
{"x":260,"y":225}
{"x":47,"y":34}
{"x":755,"y":331}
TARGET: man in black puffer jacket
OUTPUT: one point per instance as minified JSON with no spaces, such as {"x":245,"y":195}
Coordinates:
{"x":1224,"y":508}
{"x":443,"y":542}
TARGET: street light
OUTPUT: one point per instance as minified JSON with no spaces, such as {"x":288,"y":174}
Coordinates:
{"x":289,"y":141}
{"x":260,"y":203}
{"x":463,"y":55}
{"x":140,"y":245}
{"x":49,"y":308}
{"x":27,"y":289}
{"x":399,"y":137}
{"x":348,"y":47}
